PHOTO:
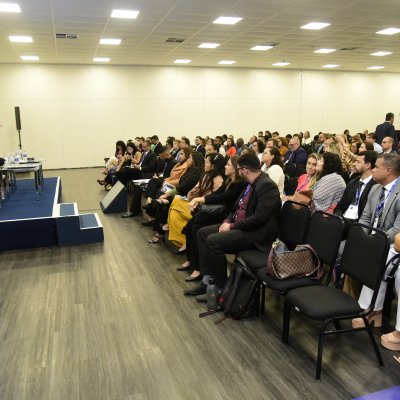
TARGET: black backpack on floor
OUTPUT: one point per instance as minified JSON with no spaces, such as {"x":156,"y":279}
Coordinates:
{"x":241,"y":293}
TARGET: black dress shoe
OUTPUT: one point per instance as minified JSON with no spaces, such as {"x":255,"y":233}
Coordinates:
{"x":193,"y":278}
{"x":200,"y":289}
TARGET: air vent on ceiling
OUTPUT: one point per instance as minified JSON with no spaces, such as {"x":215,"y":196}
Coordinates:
{"x":349,"y":48}
{"x":174,"y":40}
{"x":67,"y":36}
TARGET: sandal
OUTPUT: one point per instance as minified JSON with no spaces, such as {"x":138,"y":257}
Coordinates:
{"x":165,"y":228}
{"x":155,"y":239}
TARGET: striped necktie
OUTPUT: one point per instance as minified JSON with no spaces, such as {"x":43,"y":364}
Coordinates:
{"x":380,"y":207}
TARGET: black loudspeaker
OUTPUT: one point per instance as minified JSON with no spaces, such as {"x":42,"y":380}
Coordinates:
{"x":18,"y":118}
{"x":115,"y":200}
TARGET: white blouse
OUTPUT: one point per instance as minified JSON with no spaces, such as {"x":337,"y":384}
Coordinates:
{"x":275,"y":172}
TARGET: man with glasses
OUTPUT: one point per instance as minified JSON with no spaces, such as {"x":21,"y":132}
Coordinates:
{"x":296,"y":154}
{"x":252,"y":225}
{"x":387,"y":145}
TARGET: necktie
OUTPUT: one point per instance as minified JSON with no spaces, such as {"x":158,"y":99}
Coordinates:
{"x":380,"y":207}
{"x":143,"y":157}
{"x":358,"y":193}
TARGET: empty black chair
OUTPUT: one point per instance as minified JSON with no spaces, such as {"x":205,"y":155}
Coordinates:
{"x":364,"y":259}
{"x":324,"y":235}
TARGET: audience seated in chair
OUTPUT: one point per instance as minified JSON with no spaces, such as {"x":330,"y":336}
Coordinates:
{"x":252,"y":224}
{"x":296,"y":154}
{"x":179,"y":211}
{"x":273,"y":166}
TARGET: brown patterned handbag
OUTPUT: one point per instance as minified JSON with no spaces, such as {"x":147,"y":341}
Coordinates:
{"x":302,"y":261}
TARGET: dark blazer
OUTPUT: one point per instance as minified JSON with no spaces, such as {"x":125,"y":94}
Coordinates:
{"x":189,"y":180}
{"x":386,"y":129}
{"x":262,"y":214}
{"x":200,"y":148}
{"x":149,"y":165}
{"x":168,"y":164}
{"x":157,"y":148}
{"x":297,"y":157}
{"x":349,"y":196}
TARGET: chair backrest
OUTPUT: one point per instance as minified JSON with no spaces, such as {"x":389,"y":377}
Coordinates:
{"x":293,"y":223}
{"x":291,"y":185}
{"x":289,"y":169}
{"x":324,"y":235}
{"x":300,"y":170}
{"x":364,"y":256}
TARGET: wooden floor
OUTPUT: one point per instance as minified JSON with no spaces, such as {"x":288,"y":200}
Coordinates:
{"x":109,"y":321}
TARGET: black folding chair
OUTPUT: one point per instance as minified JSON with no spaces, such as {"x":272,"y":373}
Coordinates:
{"x":293,"y":226}
{"x":364,"y":259}
{"x":324,"y":236}
{"x":290,"y":170}
{"x":291,"y":185}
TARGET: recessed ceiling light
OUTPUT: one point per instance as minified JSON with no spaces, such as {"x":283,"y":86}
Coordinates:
{"x":381,"y":53}
{"x":330,"y":66}
{"x":208,"y":45}
{"x":281,"y":64}
{"x":30,"y":58}
{"x":21,"y":39}
{"x":227,"y":62}
{"x":376,"y":67}
{"x":182,"y":61}
{"x":114,"y":42}
{"x":10,"y":7}
{"x":261,"y":48}
{"x":388,"y":31}
{"x":227,"y":20}
{"x":128,"y":14}
{"x":315,"y":25}
{"x":324,"y":51}
{"x":101,"y":59}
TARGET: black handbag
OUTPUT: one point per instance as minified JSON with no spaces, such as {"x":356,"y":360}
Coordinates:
{"x":210,"y":213}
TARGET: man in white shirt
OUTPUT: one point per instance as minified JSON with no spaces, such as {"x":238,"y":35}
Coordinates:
{"x":371,"y":138}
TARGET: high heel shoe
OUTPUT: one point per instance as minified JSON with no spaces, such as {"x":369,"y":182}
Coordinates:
{"x":374,"y":319}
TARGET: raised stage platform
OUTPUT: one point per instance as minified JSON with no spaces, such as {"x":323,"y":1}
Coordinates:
{"x":26,"y":222}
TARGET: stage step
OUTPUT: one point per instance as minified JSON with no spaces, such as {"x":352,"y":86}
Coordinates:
{"x":79,"y":229}
{"x":67,"y":209}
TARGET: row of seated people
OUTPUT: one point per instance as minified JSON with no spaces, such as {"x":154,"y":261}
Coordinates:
{"x":252,"y":199}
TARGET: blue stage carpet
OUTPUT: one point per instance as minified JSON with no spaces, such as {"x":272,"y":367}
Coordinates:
{"x":22,"y":203}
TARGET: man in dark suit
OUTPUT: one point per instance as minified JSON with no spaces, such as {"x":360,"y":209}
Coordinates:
{"x":355,"y":196}
{"x":156,"y":145}
{"x":296,"y":154}
{"x":198,"y":141}
{"x":165,"y":164}
{"x":145,"y":169}
{"x":387,"y":129}
{"x":252,"y":225}
{"x":387,"y":145}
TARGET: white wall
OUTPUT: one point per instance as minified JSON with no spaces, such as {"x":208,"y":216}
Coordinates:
{"x":72,"y":115}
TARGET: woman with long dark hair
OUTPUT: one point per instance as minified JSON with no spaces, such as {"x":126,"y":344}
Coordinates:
{"x":179,"y":212}
{"x":274,"y":167}
{"x":226,"y":195}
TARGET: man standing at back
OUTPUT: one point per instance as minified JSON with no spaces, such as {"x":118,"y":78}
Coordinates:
{"x":387,"y":129}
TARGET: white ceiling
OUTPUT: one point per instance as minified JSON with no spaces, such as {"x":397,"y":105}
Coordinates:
{"x":353,"y":24}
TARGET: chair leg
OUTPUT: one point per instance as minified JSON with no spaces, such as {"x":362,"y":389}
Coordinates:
{"x":286,"y":322}
{"x":373,"y":342}
{"x":262,"y":304}
{"x":320,"y":351}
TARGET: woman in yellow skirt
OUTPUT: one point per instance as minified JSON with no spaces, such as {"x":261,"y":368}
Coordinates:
{"x":179,"y":212}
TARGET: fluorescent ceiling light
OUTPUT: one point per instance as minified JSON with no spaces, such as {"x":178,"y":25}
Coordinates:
{"x":182,"y":61}
{"x":128,"y":14}
{"x":114,"y":42}
{"x":30,"y":58}
{"x":388,"y":31}
{"x":10,"y":7}
{"x":208,"y":45}
{"x":227,"y":62}
{"x":376,"y":67}
{"x":324,"y":51}
{"x":101,"y":59}
{"x":315,"y":25}
{"x":261,"y":48}
{"x":330,"y":66}
{"x":21,"y":39}
{"x":381,"y":53}
{"x":227,"y":20}
{"x":281,"y":64}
